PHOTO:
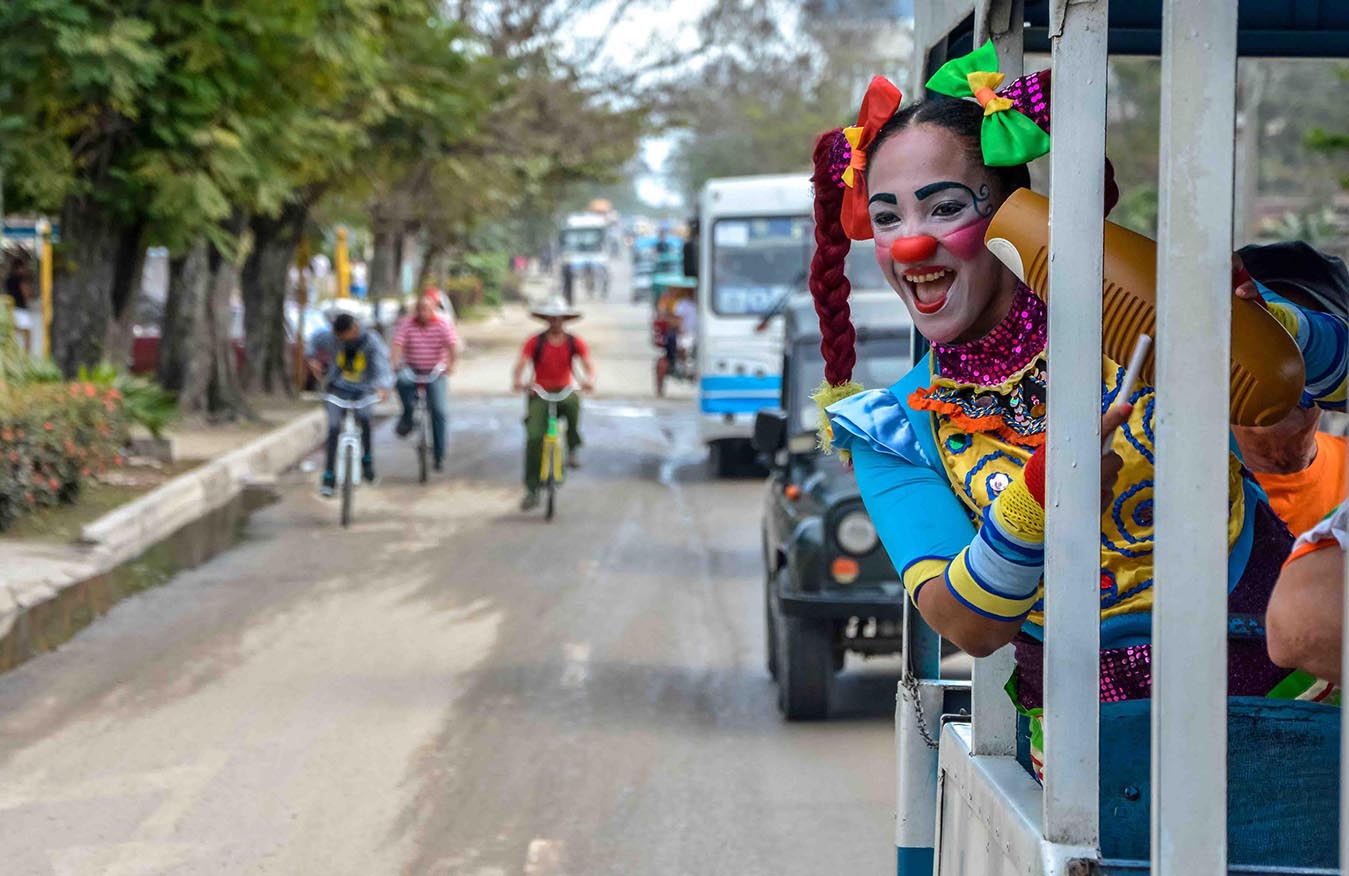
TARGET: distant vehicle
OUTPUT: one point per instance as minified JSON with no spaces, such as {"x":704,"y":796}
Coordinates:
{"x":585,"y":239}
{"x":145,"y":336}
{"x":755,"y":247}
{"x":829,"y":587}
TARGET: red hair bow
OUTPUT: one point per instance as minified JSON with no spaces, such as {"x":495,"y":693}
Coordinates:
{"x":880,"y":103}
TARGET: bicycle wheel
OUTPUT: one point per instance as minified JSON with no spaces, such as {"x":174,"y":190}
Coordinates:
{"x":422,"y":449}
{"x":550,"y":501}
{"x":349,"y":466}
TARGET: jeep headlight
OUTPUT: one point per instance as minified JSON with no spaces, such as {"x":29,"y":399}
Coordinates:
{"x":855,"y":533}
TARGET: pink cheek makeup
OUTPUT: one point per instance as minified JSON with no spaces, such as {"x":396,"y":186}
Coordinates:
{"x":967,"y":242}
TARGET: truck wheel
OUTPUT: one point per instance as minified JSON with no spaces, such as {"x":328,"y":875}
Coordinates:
{"x":805,"y":668}
{"x":721,"y":456}
{"x":770,"y":625}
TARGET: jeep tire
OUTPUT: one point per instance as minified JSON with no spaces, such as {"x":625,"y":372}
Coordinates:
{"x":805,"y":667}
{"x":772,"y":586}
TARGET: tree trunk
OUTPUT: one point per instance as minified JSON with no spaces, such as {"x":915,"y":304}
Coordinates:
{"x":434,"y":249}
{"x":126,"y":293}
{"x":82,"y":288}
{"x":384,"y":262}
{"x":196,"y":352}
{"x":263,"y":282}
{"x":185,"y":313}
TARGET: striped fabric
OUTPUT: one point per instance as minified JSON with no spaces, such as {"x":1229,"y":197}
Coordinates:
{"x":424,"y":345}
{"x":1323,"y":339}
{"x":999,"y":574}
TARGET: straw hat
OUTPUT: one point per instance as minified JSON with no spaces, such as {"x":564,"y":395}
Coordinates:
{"x":555,"y":308}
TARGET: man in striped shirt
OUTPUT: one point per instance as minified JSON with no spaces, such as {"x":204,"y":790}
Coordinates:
{"x":420,"y":343}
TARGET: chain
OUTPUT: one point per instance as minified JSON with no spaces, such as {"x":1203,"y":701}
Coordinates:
{"x":910,"y":685}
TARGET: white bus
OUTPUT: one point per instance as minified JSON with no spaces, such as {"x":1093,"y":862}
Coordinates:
{"x":585,"y":249}
{"x":756,"y":243}
{"x":757,"y":240}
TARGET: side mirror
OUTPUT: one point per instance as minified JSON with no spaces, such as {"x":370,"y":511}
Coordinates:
{"x":770,"y":431}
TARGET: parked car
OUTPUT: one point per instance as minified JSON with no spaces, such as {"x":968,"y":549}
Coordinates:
{"x":829,"y":587}
{"x":145,"y":334}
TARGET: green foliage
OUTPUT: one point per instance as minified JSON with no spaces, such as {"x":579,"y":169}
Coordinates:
{"x":54,"y":437}
{"x":144,"y":402}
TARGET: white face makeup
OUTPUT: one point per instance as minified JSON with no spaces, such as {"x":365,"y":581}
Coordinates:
{"x":926,"y":193}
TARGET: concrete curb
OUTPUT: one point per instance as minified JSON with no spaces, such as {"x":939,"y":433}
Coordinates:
{"x":130,"y":529}
{"x":50,"y":591}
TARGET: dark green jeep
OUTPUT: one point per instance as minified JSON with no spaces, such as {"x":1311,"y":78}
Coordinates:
{"x":829,"y":587}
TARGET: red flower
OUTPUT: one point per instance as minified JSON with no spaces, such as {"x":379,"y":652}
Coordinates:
{"x":114,"y":393}
{"x":53,"y":483}
{"x":48,"y":426}
{"x":90,"y":390}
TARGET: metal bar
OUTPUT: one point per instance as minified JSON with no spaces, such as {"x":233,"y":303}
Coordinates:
{"x":1073,"y":535}
{"x":915,"y":761}
{"x":1189,"y":624}
{"x":1001,"y":21}
{"x":993,"y":730}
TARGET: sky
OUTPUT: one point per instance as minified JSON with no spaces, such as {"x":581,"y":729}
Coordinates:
{"x":673,"y":23}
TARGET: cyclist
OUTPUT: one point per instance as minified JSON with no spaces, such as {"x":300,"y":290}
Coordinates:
{"x":552,"y":354}
{"x":420,"y":343}
{"x":353,"y":363}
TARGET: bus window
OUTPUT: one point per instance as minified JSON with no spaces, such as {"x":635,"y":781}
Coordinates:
{"x":583,"y":239}
{"x":757,"y":261}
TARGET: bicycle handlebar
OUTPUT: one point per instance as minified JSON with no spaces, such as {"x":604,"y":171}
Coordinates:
{"x":560,"y":396}
{"x":351,"y":404}
{"x":430,"y":376}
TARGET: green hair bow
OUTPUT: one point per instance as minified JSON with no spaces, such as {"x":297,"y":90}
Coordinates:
{"x":1008,"y":137}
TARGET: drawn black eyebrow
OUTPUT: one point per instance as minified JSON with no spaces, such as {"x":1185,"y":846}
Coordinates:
{"x":929,"y":190}
{"x":884,"y":197}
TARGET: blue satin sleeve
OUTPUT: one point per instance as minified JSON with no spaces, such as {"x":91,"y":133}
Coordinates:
{"x":915,"y":512}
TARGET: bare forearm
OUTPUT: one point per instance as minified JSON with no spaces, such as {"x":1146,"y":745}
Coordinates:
{"x":971,"y":632}
{"x":1304,"y":622}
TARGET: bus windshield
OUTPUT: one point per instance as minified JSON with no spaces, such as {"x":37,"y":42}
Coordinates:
{"x":881,"y":361}
{"x":583,"y":239}
{"x":758,"y":261}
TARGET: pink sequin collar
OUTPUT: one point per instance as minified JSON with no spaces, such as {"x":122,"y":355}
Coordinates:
{"x":997,"y":356}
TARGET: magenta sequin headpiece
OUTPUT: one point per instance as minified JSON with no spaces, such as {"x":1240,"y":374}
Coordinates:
{"x":1030,"y":96}
{"x":1008,"y":348}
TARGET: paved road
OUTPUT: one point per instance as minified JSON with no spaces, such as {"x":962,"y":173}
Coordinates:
{"x":453,"y":687}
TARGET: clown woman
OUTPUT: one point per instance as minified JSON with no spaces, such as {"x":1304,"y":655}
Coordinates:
{"x":950,"y":458}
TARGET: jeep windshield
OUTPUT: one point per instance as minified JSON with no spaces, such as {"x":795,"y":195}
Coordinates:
{"x":756,"y":262}
{"x":880,"y":362}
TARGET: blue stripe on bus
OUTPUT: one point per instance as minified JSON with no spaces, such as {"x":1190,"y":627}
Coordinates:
{"x":722,"y":383}
{"x":732,"y":405}
{"x":913,"y":862}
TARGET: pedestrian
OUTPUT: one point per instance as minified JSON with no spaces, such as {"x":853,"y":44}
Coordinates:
{"x":421,"y":342}
{"x":552,"y":355}
{"x":568,"y":282}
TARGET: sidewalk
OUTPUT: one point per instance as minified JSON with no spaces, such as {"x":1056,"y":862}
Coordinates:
{"x":55,"y":584}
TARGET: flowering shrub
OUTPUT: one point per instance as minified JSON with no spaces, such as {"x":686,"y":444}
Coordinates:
{"x":54,"y":436}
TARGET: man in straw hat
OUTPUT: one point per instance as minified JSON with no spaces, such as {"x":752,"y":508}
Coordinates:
{"x":552,"y":355}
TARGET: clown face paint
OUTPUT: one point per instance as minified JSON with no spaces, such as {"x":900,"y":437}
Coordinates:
{"x":924,"y":185}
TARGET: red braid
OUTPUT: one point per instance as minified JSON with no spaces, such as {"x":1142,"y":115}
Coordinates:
{"x":828,"y":284}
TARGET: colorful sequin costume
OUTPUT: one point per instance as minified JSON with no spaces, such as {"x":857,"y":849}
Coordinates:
{"x":933,"y":452}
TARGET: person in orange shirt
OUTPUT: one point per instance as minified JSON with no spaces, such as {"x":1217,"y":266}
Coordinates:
{"x":1301,"y":469}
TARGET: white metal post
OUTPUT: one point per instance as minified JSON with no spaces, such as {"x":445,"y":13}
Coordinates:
{"x":1002,"y":21}
{"x":993,"y":730}
{"x":1194,"y":308}
{"x":1073,"y":533}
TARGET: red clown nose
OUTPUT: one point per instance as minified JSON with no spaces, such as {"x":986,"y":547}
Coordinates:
{"x":913,"y":250}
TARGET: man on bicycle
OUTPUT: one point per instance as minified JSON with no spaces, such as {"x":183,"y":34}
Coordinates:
{"x":352,"y":363}
{"x":420,"y":343}
{"x":552,"y":355}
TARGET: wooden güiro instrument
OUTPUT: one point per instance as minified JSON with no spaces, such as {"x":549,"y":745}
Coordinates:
{"x":1267,"y":369}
